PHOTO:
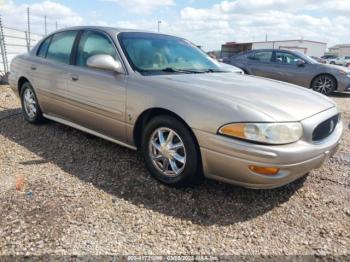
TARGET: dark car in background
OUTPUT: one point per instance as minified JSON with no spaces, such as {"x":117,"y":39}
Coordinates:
{"x":293,"y":67}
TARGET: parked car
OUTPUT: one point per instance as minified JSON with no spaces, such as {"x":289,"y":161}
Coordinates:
{"x":330,"y":59}
{"x":164,"y":96}
{"x":343,"y":60}
{"x":225,"y":60}
{"x":294,"y":67}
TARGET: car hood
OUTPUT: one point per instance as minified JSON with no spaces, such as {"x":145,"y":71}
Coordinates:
{"x":231,"y":68}
{"x":278,"y":101}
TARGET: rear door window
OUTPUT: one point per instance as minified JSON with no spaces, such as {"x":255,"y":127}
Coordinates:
{"x":262,"y":56}
{"x":287,"y":58}
{"x":61,"y":47}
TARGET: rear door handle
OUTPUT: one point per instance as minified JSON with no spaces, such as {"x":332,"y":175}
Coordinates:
{"x":75,"y":78}
{"x":33,"y":68}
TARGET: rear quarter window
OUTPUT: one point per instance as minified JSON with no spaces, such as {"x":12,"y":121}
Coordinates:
{"x":44,"y":47}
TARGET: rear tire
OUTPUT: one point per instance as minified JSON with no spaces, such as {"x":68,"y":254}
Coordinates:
{"x":324,"y":84}
{"x":30,"y":105}
{"x":171,"y":152}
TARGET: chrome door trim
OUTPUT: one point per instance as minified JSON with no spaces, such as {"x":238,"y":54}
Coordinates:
{"x":86,"y":130}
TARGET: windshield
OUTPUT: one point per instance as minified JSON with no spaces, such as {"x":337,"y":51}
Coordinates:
{"x":311,"y":60}
{"x":150,"y":53}
{"x":307,"y":58}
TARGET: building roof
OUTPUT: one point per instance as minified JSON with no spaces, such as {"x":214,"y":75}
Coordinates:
{"x":293,"y":40}
{"x":339,"y":46}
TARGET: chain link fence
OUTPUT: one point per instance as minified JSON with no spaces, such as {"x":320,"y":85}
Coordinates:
{"x":15,"y":41}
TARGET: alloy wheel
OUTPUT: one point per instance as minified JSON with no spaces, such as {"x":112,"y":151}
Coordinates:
{"x":29,"y":102}
{"x":167,"y":151}
{"x":324,"y":85}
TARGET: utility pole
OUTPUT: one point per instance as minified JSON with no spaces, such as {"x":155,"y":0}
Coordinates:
{"x":266,"y":37}
{"x":27,"y":43}
{"x":159,"y":22}
{"x":3,"y":48}
{"x":56,"y":25}
{"x":28,"y":29}
{"x":45,"y":26}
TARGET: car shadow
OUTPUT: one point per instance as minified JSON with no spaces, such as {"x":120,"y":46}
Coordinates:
{"x":341,"y":95}
{"x":121,"y":173}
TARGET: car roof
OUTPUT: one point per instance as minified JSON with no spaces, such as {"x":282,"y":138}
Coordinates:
{"x":109,"y":30}
{"x":271,"y":49}
{"x":103,"y":28}
{"x":261,"y":50}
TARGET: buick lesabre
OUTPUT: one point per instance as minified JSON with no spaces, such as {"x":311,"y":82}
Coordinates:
{"x":189,"y":116}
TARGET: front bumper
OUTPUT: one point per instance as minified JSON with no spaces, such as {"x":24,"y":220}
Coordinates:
{"x":228,"y":160}
{"x":343,"y":84}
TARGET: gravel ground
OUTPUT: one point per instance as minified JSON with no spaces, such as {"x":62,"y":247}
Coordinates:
{"x":66,"y":192}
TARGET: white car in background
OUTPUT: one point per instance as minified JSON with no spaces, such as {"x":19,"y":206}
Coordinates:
{"x":330,"y":59}
{"x":343,"y":60}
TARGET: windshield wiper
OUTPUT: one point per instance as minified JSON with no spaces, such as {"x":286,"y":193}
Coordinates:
{"x":186,"y":71}
{"x":211,"y":70}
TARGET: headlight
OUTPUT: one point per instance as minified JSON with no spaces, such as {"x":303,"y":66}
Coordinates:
{"x":344,"y":72}
{"x":268,"y":133}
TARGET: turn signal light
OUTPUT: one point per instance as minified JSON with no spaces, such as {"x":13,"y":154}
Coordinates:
{"x":235,"y":130}
{"x":268,"y":171}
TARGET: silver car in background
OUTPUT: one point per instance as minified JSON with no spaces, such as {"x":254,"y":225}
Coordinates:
{"x":188,"y":115}
{"x":295,"y":68}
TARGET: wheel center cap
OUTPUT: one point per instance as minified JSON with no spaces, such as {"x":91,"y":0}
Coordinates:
{"x":166,"y":152}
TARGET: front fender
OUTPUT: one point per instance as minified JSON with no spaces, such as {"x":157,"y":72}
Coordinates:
{"x":199,"y":110}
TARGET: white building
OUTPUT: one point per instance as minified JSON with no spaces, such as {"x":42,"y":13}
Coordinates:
{"x":311,"y":48}
{"x":340,"y":50}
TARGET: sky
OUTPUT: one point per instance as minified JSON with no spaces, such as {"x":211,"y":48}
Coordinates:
{"x":208,"y":23}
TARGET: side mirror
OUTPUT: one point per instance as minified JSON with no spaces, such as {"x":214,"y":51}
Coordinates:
{"x":301,"y":63}
{"x":105,"y":62}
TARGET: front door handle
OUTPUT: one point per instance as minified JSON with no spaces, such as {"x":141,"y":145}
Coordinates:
{"x":75,"y":78}
{"x":33,"y":68}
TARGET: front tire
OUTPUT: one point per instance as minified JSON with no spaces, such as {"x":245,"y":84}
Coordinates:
{"x":171,"y":153}
{"x":30,"y":105}
{"x":245,"y":71}
{"x":324,"y":84}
